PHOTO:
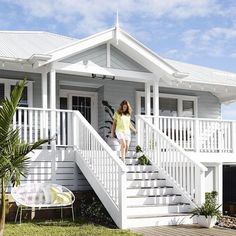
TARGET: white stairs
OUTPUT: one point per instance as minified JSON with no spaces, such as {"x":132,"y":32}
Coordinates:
{"x":151,"y":200}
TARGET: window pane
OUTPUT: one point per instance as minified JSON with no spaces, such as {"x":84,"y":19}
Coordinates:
{"x":188,"y":108}
{"x":143,"y":105}
{"x":2,"y":92}
{"x":24,"y":99}
{"x":63,"y":103}
{"x":168,"y":107}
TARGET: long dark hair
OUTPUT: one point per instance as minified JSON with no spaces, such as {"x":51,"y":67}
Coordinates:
{"x":128,"y":110}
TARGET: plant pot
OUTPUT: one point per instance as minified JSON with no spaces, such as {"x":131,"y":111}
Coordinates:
{"x":113,"y":143}
{"x":208,"y":222}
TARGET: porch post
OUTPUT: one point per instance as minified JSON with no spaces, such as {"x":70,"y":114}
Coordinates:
{"x":219,"y":183}
{"x":53,"y":88}
{"x":156,"y":102}
{"x":53,"y":106}
{"x":44,"y":89}
{"x":147,"y":99}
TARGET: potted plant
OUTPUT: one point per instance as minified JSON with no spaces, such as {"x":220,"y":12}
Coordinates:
{"x":208,"y":213}
{"x":142,"y":158}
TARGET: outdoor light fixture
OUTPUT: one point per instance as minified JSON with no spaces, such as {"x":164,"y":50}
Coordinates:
{"x":111,"y":77}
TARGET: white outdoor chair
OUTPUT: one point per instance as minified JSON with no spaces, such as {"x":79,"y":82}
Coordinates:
{"x":38,"y":196}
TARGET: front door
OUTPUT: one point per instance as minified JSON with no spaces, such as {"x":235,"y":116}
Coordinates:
{"x":85,"y":102}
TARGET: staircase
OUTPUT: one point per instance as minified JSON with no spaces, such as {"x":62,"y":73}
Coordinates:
{"x":150,"y":199}
{"x":163,"y":193}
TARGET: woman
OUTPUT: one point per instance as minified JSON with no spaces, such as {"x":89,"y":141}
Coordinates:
{"x":121,"y":127}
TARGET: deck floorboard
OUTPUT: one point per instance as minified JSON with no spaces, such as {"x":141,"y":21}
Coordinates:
{"x":183,"y":230}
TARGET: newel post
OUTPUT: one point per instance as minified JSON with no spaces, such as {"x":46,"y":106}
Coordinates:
{"x":122,"y":200}
{"x":138,"y":128}
{"x":199,"y":186}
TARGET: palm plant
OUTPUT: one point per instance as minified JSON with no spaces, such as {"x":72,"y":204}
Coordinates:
{"x":13,"y":159}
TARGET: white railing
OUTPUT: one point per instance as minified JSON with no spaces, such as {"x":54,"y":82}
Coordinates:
{"x":37,"y":123}
{"x":199,"y":135}
{"x":167,"y":156}
{"x":108,"y":170}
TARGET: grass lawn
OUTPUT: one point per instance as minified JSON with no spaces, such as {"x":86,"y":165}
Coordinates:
{"x":62,"y":228}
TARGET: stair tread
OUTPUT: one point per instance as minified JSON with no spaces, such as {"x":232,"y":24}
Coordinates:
{"x":159,"y":215}
{"x":156,"y":187}
{"x":156,"y":205}
{"x":145,"y":179}
{"x":164,"y":195}
{"x":143,"y":171}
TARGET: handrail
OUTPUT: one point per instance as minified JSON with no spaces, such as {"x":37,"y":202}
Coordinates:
{"x":187,"y":174}
{"x":188,"y":118}
{"x":200,"y":165}
{"x":102,"y":142}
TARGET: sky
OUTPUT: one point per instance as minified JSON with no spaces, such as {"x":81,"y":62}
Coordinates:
{"x":201,"y":32}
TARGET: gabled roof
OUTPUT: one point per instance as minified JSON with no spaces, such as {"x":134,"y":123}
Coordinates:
{"x":23,"y":44}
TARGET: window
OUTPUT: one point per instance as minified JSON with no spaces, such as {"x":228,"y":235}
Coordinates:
{"x":188,"y":108}
{"x":2,"y":92}
{"x":170,"y":105}
{"x":7,"y":85}
{"x":24,"y":99}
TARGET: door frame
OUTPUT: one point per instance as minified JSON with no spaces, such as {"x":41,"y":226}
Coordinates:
{"x":94,"y":102}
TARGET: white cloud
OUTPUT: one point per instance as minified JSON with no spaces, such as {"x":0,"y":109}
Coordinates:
{"x":90,"y":16}
{"x":216,"y":41}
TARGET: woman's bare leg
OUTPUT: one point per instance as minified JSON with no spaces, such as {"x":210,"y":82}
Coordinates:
{"x":127,"y":142}
{"x":122,"y":149}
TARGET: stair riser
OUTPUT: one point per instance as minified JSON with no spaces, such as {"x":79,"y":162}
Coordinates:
{"x":146,"y":183}
{"x":158,"y":221}
{"x":140,"y":211}
{"x":142,"y":175}
{"x":140,"y":168}
{"x":131,"y":161}
{"x":153,"y":200}
{"x":148,"y":192}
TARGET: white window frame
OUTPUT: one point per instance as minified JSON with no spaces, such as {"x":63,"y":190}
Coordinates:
{"x":7,"y":89}
{"x":94,"y":105}
{"x":180,"y":99}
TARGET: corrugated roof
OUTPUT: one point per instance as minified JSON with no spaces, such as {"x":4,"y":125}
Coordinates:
{"x":205,"y":75}
{"x":23,"y":44}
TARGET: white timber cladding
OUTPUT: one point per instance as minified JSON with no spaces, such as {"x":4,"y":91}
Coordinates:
{"x":44,"y":89}
{"x":180,"y":99}
{"x":11,"y":82}
{"x":59,"y":166}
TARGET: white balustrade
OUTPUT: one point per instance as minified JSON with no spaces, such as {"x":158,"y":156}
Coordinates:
{"x":103,"y":163}
{"x":37,"y":123}
{"x":201,"y":135}
{"x":172,"y":159}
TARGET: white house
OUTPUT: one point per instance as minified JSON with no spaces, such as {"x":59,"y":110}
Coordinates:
{"x":177,"y":108}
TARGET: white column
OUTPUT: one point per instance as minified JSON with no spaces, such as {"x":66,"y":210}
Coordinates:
{"x":147,"y":99}
{"x":219,"y":183}
{"x":44,"y":89}
{"x":53,"y":88}
{"x":53,"y":134}
{"x":156,"y":102}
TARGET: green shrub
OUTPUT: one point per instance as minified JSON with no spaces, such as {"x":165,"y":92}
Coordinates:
{"x":143,"y":160}
{"x":91,"y":208}
{"x":209,"y":208}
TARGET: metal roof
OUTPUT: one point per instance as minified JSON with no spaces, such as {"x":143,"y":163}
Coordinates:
{"x":204,"y":75}
{"x":23,"y":44}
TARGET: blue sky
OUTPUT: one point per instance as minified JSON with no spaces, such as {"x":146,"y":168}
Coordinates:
{"x":201,"y":32}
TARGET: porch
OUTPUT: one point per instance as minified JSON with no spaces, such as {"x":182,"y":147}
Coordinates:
{"x":192,"y":134}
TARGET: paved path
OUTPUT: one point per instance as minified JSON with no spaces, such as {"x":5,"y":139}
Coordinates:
{"x":184,"y":230}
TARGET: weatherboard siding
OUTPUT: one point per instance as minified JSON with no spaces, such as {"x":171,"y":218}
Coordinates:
{"x":58,"y":167}
{"x":98,"y":55}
